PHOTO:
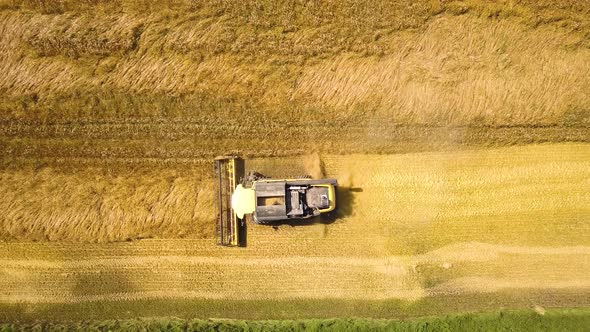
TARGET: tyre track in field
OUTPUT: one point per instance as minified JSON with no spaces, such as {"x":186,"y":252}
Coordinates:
{"x":101,"y":143}
{"x":132,"y":275}
{"x":175,"y":130}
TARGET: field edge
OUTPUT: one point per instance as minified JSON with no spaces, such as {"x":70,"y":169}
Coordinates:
{"x":296,"y":309}
{"x":572,"y":319}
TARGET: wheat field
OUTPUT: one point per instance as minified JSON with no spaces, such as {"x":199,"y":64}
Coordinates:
{"x":93,"y":206}
{"x":112,"y":84}
{"x":437,"y":63}
{"x":458,"y":130}
{"x":412,"y":230}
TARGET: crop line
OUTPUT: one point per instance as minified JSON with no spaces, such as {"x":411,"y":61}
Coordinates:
{"x":469,"y":252}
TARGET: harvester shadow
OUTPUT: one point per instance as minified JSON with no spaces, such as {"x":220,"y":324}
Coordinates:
{"x":345,"y":197}
{"x":109,"y":280}
{"x":103,"y":282}
{"x":243,"y":231}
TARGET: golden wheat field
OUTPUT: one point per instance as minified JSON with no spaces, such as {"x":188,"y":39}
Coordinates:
{"x":412,"y":228}
{"x":459,"y":132}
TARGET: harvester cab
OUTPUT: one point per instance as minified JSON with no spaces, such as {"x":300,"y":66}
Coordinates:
{"x":268,"y":201}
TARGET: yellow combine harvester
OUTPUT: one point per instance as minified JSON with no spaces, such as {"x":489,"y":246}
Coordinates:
{"x":268,"y":201}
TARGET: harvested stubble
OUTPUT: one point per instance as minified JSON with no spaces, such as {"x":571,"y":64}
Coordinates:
{"x":53,"y":273}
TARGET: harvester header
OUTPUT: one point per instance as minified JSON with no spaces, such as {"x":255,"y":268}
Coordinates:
{"x":227,"y":168}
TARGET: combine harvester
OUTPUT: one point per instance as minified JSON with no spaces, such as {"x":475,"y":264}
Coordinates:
{"x":267,"y":201}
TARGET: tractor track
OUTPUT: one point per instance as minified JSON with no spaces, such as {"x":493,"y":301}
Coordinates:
{"x":184,"y":128}
{"x":101,"y":143}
